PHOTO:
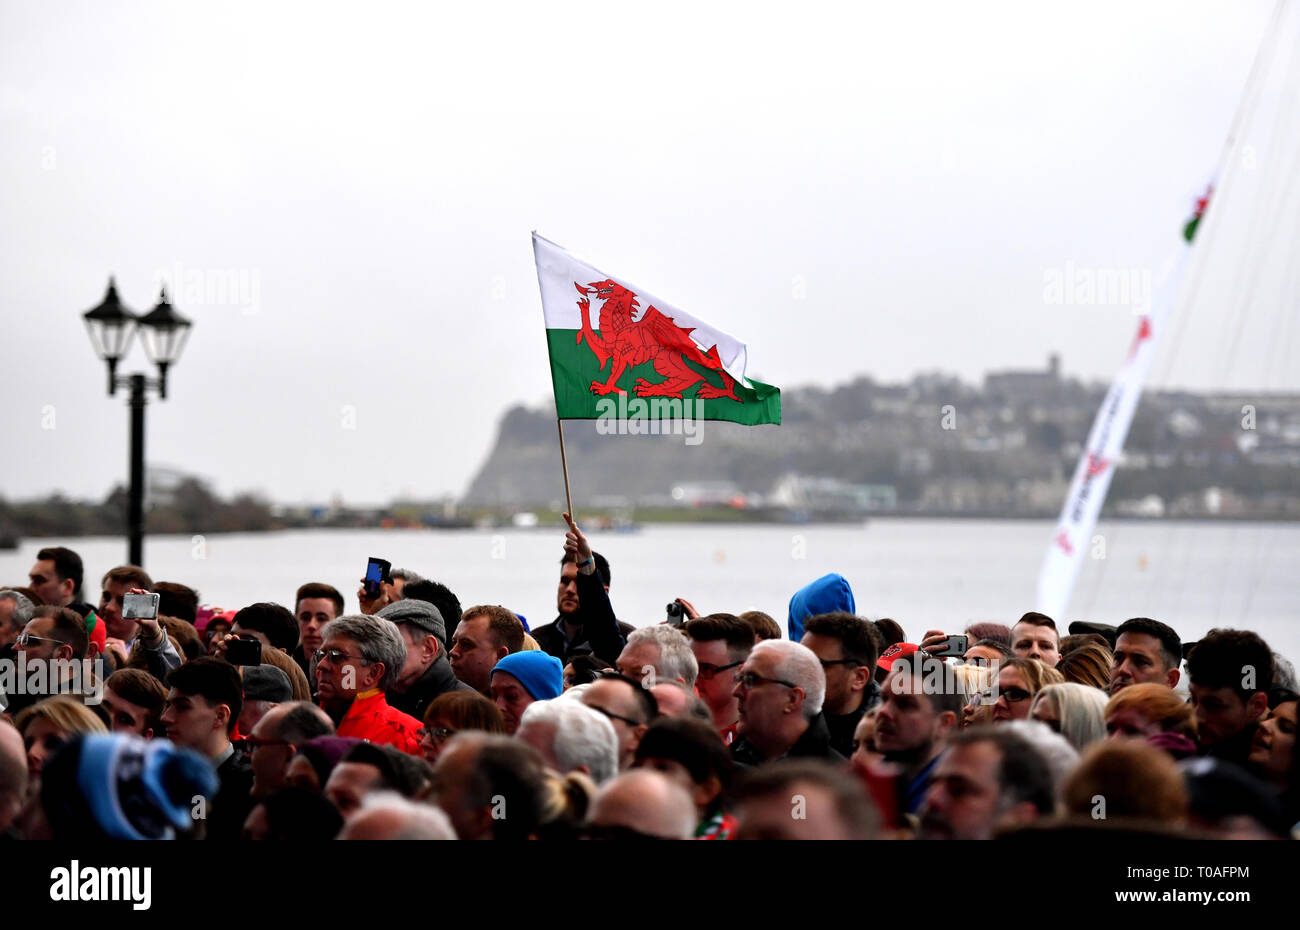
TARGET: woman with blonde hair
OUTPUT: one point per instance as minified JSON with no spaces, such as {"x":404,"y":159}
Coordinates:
{"x":1019,"y":679}
{"x":46,"y":725}
{"x":566,"y":799}
{"x":1075,"y":711}
{"x":972,"y":681}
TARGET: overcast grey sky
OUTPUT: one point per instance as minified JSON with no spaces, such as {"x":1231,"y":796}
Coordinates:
{"x":849,"y":189}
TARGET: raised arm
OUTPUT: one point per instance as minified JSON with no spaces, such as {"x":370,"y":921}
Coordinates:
{"x":599,"y":625}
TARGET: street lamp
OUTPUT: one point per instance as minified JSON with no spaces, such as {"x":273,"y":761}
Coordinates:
{"x":163,"y":332}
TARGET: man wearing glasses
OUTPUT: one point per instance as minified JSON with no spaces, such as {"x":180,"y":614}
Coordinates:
{"x":628,"y":706}
{"x":53,"y":641}
{"x":359,"y":660}
{"x":781,"y":687}
{"x":275,"y":741}
{"x":848,"y":649}
{"x":721,"y":644}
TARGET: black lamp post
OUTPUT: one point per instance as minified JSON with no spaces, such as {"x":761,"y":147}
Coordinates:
{"x":163,"y":332}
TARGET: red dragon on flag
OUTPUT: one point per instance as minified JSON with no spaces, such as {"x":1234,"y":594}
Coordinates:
{"x":627,"y":341}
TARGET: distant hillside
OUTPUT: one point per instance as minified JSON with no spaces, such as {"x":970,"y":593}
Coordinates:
{"x":1005,"y":448}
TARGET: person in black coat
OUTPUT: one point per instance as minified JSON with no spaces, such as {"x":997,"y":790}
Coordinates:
{"x":427,"y":673}
{"x":586,"y":621}
{"x":781,"y":688}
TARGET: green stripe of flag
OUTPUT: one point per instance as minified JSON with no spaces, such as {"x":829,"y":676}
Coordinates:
{"x":574,"y":367}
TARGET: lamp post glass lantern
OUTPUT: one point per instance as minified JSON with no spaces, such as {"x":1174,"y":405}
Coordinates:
{"x":164,"y":333}
{"x":111,"y":326}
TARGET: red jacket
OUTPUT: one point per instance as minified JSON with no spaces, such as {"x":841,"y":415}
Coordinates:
{"x":371,"y":718}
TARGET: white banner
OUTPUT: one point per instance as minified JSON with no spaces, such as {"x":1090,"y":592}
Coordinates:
{"x":1073,"y":534}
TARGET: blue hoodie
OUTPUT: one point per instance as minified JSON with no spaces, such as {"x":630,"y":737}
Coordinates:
{"x":827,"y":594}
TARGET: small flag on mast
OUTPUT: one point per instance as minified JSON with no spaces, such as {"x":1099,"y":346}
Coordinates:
{"x":1087,"y":493}
{"x":611,"y":340}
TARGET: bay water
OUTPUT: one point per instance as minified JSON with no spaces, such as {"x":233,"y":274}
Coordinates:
{"x":926,"y":574}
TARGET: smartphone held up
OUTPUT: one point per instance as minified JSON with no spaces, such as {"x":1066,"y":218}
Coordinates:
{"x":954,"y":646}
{"x":140,"y":607}
{"x":377,"y":575}
{"x":244,"y":650}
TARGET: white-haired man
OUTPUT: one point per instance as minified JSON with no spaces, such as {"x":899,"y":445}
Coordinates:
{"x":780,"y":689}
{"x":571,"y":738}
{"x":663,"y":648}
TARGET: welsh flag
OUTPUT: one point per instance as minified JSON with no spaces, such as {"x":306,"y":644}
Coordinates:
{"x":617,"y":349}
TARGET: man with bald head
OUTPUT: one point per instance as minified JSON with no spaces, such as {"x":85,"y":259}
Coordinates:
{"x":276,"y":738}
{"x":676,"y":700}
{"x":642,"y":804}
{"x":628,"y":706}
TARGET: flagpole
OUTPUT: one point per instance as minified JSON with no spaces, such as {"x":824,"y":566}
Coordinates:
{"x":559,"y":424}
{"x":564,"y":463}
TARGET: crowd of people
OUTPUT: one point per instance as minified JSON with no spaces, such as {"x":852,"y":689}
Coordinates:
{"x":418,"y":718}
